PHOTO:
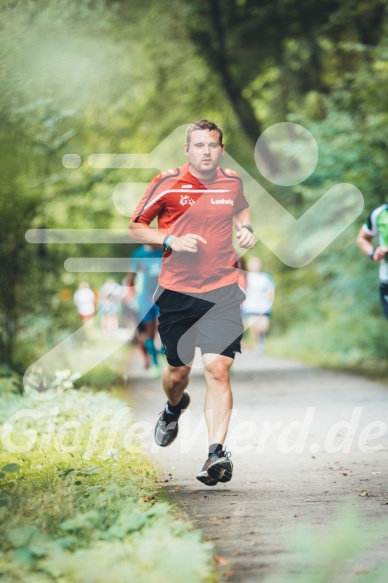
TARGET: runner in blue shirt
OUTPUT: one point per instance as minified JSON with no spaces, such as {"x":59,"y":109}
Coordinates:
{"x":146,"y":261}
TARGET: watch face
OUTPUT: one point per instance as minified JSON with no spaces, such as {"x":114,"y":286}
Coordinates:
{"x":166,"y":242}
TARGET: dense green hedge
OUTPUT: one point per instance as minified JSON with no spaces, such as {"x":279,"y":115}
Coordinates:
{"x":80,"y":501}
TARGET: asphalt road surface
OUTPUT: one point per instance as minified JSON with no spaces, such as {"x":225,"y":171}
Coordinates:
{"x":304,"y":442}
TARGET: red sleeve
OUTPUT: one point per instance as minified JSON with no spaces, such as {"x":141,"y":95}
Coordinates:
{"x":151,"y":204}
{"x":241,"y":201}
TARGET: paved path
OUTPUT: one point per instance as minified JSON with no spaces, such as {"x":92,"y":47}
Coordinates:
{"x":275,"y":487}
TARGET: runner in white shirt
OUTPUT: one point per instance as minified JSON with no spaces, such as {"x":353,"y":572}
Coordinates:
{"x":84,"y":300}
{"x":256,"y":309}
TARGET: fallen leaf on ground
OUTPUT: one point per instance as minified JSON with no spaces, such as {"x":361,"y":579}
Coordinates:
{"x":222,"y":560}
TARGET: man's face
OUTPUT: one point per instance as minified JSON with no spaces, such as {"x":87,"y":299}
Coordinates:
{"x":204,"y":152}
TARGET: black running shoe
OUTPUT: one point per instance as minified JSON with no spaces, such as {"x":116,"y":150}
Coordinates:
{"x":217,"y":468}
{"x":166,"y":428}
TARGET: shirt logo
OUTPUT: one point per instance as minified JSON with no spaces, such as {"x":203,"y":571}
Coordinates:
{"x":185,"y":199}
{"x":187,"y":186}
{"x":222,"y":201}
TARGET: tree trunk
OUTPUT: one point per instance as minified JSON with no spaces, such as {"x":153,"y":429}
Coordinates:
{"x":241,"y":106}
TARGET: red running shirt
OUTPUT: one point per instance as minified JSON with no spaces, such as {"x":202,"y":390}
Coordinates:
{"x":184,"y":204}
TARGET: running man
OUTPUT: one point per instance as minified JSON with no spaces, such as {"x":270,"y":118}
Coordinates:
{"x":377,"y":225}
{"x":199,"y":299}
{"x":146,"y":261}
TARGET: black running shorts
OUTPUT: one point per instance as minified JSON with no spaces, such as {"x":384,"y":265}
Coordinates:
{"x":384,"y":297}
{"x":210,"y":320}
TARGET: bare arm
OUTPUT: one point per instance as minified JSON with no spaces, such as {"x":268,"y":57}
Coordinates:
{"x":148,"y":235}
{"x":364,"y":242}
{"x":145,"y":234}
{"x":245,"y":238}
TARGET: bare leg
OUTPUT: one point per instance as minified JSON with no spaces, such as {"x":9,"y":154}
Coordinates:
{"x":148,"y":336}
{"x":143,"y":350}
{"x":263,"y":325}
{"x":260,"y":328}
{"x":175,"y":379}
{"x":219,"y":398}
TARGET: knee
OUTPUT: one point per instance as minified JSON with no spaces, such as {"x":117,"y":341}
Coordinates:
{"x":178,"y":375}
{"x":218,"y":371}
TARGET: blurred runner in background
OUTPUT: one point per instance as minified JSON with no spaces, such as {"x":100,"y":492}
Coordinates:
{"x":130,"y":313}
{"x":377,"y":226}
{"x":146,"y":262}
{"x":109,"y":303}
{"x":129,"y":302}
{"x":85,"y":300}
{"x":256,"y":309}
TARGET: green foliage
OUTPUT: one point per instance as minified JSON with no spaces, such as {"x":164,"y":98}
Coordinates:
{"x":341,"y":341}
{"x":103,"y":375}
{"x":10,"y":381}
{"x":82,"y":77}
{"x":336,"y":314}
{"x":64,"y":72}
{"x":90,"y":512}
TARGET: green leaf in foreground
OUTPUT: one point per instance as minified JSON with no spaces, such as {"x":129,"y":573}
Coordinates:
{"x":11,"y":468}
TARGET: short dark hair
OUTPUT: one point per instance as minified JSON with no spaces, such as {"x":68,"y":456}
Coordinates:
{"x":203,"y":124}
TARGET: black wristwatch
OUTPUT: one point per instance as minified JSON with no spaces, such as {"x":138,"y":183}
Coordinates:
{"x":167,"y":242}
{"x":248,"y":227}
{"x":371,"y":253}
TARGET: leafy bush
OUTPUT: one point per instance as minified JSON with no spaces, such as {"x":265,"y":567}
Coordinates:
{"x":10,"y":383}
{"x":79,"y":501}
{"x":103,"y":375}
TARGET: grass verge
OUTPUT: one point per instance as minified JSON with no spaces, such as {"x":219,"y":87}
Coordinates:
{"x":338,"y":345}
{"x":80,"y":501}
